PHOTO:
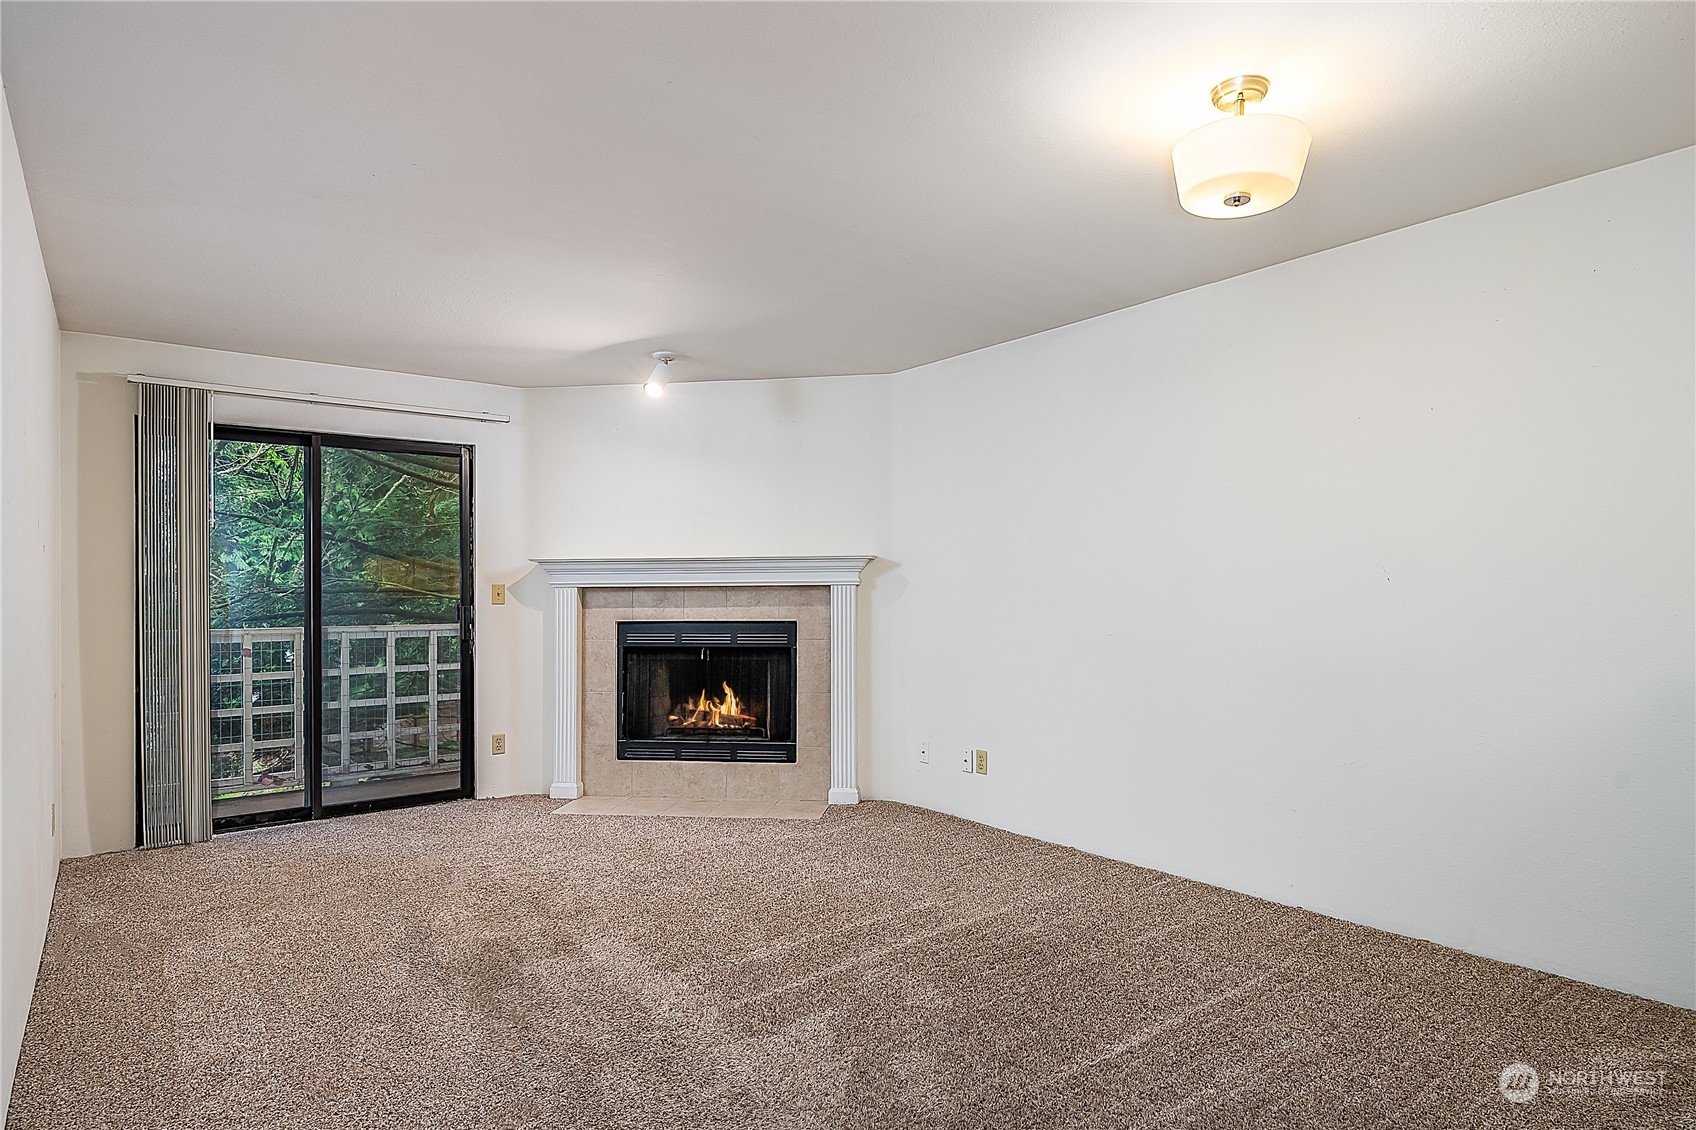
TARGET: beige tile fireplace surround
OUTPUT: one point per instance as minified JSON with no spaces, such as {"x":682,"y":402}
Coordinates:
{"x":807,"y":779}
{"x":591,"y":598}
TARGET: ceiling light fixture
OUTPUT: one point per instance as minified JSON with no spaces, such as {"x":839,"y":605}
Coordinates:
{"x":655,"y":384}
{"x":1244,"y":165}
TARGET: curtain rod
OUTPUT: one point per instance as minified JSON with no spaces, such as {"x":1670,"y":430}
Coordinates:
{"x":322,"y":398}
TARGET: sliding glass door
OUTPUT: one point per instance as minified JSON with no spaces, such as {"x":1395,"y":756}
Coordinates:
{"x":341,"y":647}
{"x":391,"y":580}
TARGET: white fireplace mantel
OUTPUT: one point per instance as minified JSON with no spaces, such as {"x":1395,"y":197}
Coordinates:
{"x":569,"y":576}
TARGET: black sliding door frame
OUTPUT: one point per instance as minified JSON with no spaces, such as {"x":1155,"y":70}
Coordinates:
{"x":312,"y":745}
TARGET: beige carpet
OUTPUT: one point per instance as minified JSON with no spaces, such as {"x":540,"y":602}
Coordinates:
{"x":489,"y":964}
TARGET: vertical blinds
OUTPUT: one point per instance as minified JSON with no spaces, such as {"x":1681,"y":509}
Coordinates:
{"x":173,"y":531}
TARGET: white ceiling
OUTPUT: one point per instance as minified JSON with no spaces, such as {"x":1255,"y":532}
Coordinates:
{"x":541,"y":194}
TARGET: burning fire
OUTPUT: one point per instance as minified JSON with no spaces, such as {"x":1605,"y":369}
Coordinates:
{"x":713,"y":713}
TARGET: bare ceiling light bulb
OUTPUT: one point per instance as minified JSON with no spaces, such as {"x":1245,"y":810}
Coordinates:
{"x":655,"y":384}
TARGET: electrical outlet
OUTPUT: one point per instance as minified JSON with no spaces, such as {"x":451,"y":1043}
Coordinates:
{"x":968,"y":760}
{"x":924,"y":753}
{"x":497,"y":594}
{"x":497,"y":744}
{"x":982,"y":760}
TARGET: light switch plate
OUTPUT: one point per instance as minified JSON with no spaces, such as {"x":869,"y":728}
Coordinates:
{"x":924,"y":753}
{"x":497,"y":594}
{"x":968,"y":760}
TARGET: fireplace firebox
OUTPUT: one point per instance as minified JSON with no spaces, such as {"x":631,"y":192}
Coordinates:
{"x":707,"y":690}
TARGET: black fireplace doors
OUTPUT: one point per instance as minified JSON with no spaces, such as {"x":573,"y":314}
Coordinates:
{"x":713,"y":690}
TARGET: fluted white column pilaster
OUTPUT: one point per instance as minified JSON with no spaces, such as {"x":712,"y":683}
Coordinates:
{"x":568,"y":694}
{"x":844,"y":788}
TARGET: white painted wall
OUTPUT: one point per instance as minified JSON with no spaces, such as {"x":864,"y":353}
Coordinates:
{"x":29,"y":604}
{"x":1362,"y":582}
{"x":713,"y":468}
{"x":98,"y":616}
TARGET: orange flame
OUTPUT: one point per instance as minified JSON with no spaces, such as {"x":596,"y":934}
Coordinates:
{"x":713,"y":713}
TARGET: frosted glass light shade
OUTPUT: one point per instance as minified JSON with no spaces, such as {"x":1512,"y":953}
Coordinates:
{"x":1259,"y":156}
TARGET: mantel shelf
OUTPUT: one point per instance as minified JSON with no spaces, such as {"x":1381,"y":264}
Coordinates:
{"x":685,"y":572}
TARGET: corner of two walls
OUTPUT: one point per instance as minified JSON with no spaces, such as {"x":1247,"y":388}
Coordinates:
{"x":1360,"y":583}
{"x":715,"y":468}
{"x":734,"y":468}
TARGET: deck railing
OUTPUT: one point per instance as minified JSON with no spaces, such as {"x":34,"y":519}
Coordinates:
{"x":390,"y":703}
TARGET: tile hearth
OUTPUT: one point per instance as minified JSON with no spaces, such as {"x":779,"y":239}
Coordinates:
{"x":600,"y":805}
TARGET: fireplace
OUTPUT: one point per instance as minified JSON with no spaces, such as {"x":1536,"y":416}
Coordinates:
{"x":707,"y":690}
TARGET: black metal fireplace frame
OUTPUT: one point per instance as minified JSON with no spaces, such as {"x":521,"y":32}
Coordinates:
{"x":671,"y":634}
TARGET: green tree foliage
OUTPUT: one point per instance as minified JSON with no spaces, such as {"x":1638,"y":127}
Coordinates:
{"x":258,"y":535}
{"x":390,"y":536}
